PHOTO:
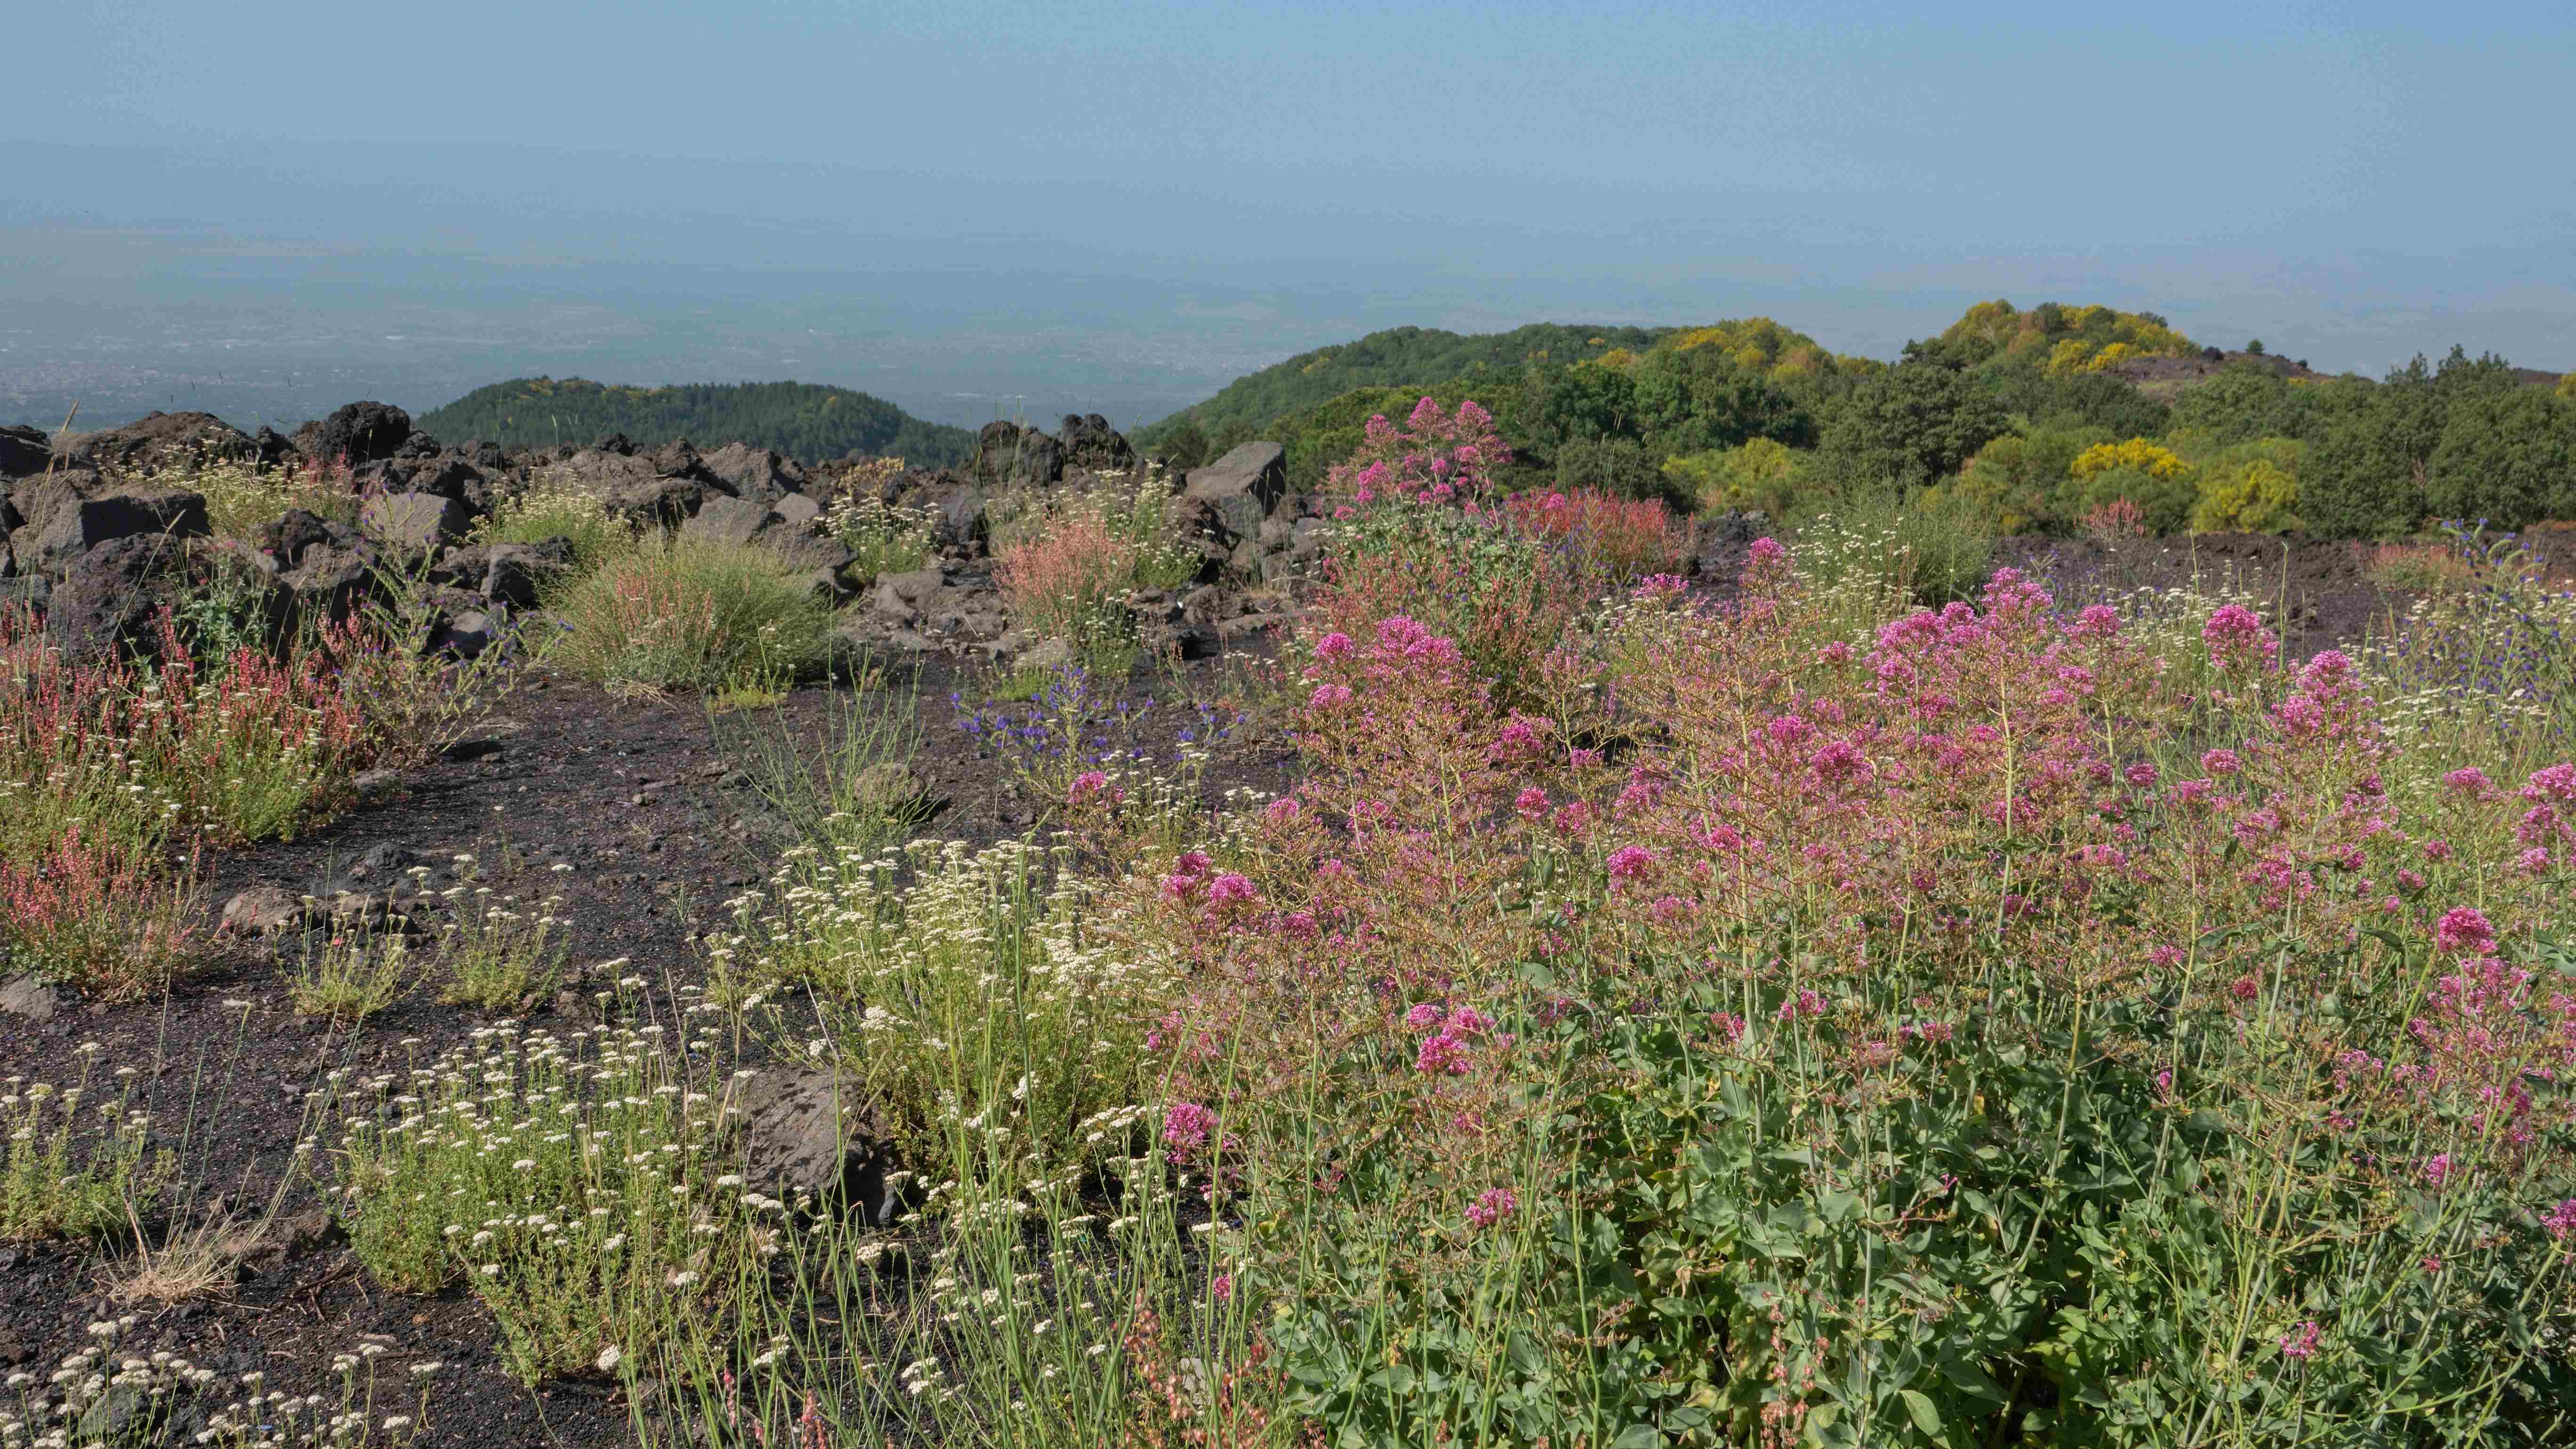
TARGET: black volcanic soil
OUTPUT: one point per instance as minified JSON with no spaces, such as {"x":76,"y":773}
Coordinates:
{"x":654,"y":813}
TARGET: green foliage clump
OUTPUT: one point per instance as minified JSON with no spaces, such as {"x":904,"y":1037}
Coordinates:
{"x":1417,"y":359}
{"x":575,"y":1187}
{"x":803,"y":420}
{"x":60,"y":1181}
{"x":690,"y":614}
{"x":1763,"y":474}
{"x":1910,"y":427}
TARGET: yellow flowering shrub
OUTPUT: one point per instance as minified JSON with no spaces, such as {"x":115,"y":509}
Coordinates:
{"x":2152,"y":459}
{"x":2258,"y":497}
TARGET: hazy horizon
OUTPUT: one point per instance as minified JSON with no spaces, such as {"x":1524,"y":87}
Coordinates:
{"x":1122,"y":208}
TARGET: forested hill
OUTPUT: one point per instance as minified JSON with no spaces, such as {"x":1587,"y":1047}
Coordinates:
{"x":804,"y":420}
{"x":1399,"y":357}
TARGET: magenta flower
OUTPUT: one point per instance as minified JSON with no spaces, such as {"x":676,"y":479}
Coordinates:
{"x":2557,"y":782}
{"x":2464,"y":930}
{"x":2220,"y":762}
{"x":1336,"y":645}
{"x":1441,"y":1055}
{"x":2471,"y":781}
{"x":1088,"y":786}
{"x":2301,"y":1343}
{"x":1425,"y":1015}
{"x":1531,"y":803}
{"x":1492,"y":1206}
{"x":2141,"y":775}
{"x":2437,"y":1169}
{"x":2561,"y":1222}
{"x":2097,"y":621}
{"x":1632,"y":863}
{"x":1230,"y":889}
{"x":1768,"y":550}
{"x":1186,"y":1126}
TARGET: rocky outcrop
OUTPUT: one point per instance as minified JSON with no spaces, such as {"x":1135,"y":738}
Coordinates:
{"x":1091,"y":444}
{"x":74,"y":524}
{"x":1008,"y":455}
{"x":24,"y":451}
{"x":107,"y":602}
{"x":158,"y":441}
{"x":753,"y":473}
{"x":361,"y":433}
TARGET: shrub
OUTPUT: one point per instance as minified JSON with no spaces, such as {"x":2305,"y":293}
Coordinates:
{"x":983,"y":1014}
{"x":1436,"y":457}
{"x":501,"y":957}
{"x":1761,"y":475}
{"x":1071,"y":581}
{"x":1503,"y":597}
{"x":350,"y":972}
{"x":688,"y":614}
{"x":241,"y":497}
{"x":234,"y":748}
{"x":573,"y":1186}
{"x":555,"y":504}
{"x":59,"y":1181}
{"x":99,"y":916}
{"x":1611,"y":538}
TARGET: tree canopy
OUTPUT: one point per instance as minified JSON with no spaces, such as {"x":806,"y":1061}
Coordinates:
{"x":806,"y":421}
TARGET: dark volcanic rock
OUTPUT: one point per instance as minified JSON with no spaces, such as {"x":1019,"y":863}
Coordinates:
{"x":754,"y":473}
{"x":1242,"y":487}
{"x":158,"y":441}
{"x":109,"y":599}
{"x":362,"y":432}
{"x":1089,"y":442}
{"x":23,"y":451}
{"x":1006,"y":453}
{"x":74,"y":527}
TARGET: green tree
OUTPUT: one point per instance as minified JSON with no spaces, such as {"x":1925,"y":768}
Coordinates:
{"x":2507,"y":455}
{"x":1701,"y":399}
{"x":1183,"y":446}
{"x":1910,"y":427}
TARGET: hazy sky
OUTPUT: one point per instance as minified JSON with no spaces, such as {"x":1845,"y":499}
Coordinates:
{"x":2351,"y":180}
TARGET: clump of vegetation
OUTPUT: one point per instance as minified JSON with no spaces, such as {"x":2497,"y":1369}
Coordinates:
{"x":800,"y":419}
{"x":242,"y":497}
{"x":556,"y":505}
{"x":691,"y":614}
{"x":1068,"y":564}
{"x":351,"y":971}
{"x":886,"y":537}
{"x":61,"y":1179}
{"x":571,"y":1184}
{"x":501,"y":955}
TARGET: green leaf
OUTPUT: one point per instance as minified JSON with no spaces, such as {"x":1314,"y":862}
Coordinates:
{"x":1919,"y":1408}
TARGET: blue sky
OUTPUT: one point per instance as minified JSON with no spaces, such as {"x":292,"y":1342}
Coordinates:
{"x":2354,"y":179}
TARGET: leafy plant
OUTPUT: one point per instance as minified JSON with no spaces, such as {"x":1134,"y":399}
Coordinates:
{"x":691,"y":614}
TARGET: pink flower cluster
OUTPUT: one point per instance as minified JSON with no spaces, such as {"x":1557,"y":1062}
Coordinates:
{"x":1436,"y":457}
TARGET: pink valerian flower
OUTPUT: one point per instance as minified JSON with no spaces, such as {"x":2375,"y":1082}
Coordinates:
{"x":1092,"y":786}
{"x":1282,"y":811}
{"x":2464,"y":930}
{"x":1492,"y":1206}
{"x":2164,"y":1083}
{"x":1630,"y":864}
{"x":1335,"y":645}
{"x":1221,"y":1287}
{"x":2471,"y":781}
{"x":1186,"y":1126}
{"x":1188,"y":876}
{"x":1426,"y":1015}
{"x":2301,"y":1342}
{"x":2141,"y":775}
{"x":2244,"y":988}
{"x":1934,"y":1032}
{"x":1230,"y":889}
{"x":1329,"y":696}
{"x":1768,"y":551}
{"x":1442,"y":1054}
{"x":1729,"y":1025}
{"x":2561,"y":1221}
{"x":2556,"y":782}
{"x":2437,"y":1169}
{"x":2097,"y":621}
{"x":1805,"y":1003}
{"x":1672,"y":910}
{"x":2221,"y":762}
{"x":2533,"y":862}
{"x":1661,"y":588}
{"x":2237,"y":638}
{"x":2166,"y":956}
{"x":1574,"y":819}
{"x":1530,"y":804}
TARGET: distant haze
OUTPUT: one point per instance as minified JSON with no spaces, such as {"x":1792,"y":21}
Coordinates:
{"x":975,"y":209}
